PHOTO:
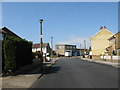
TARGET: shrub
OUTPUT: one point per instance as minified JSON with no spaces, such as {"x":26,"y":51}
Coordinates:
{"x":17,"y":52}
{"x":9,"y":55}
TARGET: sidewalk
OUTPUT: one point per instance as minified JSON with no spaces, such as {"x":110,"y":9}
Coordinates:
{"x":102,"y":62}
{"x":30,"y":74}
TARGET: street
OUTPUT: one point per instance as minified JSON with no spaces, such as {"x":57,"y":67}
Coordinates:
{"x":76,"y":73}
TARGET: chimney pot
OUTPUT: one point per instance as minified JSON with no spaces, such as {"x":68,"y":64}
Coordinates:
{"x":104,"y":27}
{"x":101,"y":27}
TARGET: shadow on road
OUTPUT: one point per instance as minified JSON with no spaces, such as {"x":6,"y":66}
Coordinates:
{"x":52,"y":69}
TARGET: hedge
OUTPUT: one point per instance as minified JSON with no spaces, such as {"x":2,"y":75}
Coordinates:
{"x":17,"y":52}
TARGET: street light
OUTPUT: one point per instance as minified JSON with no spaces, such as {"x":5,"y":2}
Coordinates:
{"x":41,"y":20}
{"x":51,"y":47}
{"x":84,"y":46}
{"x":80,"y":50}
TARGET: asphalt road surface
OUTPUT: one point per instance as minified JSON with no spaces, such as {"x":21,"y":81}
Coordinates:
{"x":76,"y":73}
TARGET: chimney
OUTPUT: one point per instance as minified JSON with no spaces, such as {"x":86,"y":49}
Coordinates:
{"x":101,"y":27}
{"x":104,"y":27}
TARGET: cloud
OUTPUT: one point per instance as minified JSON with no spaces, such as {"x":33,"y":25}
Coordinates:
{"x":74,"y":40}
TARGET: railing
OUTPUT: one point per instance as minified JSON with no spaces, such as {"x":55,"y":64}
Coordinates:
{"x":110,"y":57}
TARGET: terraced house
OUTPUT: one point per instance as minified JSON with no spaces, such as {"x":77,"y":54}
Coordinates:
{"x":114,"y":45}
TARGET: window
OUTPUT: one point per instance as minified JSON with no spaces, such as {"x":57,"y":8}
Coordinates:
{"x":74,"y":47}
{"x":60,"y":47}
{"x":57,"y":47}
{"x":67,"y":47}
{"x":114,"y":52}
{"x":112,"y":41}
{"x":70,"y":47}
{"x":63,"y":47}
{"x":118,"y":51}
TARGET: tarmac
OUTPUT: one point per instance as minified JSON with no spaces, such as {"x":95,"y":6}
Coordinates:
{"x":114,"y":64}
{"x":29,"y":74}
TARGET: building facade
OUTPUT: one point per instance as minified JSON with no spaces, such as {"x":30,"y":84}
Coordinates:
{"x":99,"y":42}
{"x":45,"y":48}
{"x":61,"y":49}
{"x":114,"y":45}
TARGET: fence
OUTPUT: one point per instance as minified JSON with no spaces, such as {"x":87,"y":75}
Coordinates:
{"x":110,"y":57}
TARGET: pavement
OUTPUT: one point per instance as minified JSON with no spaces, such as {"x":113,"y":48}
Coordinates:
{"x":115,"y":64}
{"x":29,"y":74}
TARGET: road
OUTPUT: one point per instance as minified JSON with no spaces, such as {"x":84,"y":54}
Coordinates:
{"x":76,"y":73}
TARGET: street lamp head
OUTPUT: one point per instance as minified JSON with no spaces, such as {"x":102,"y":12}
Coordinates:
{"x":41,"y":20}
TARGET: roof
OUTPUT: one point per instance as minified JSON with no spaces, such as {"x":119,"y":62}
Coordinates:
{"x":100,"y":31}
{"x":6,"y":31}
{"x":117,"y":32}
{"x":114,"y":36}
{"x":37,"y":45}
{"x":109,"y":46}
{"x":65,"y":45}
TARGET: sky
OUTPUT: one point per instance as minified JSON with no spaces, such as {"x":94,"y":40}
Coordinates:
{"x":66,"y":22}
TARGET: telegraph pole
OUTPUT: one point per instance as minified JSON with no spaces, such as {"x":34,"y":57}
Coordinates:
{"x":41,"y":35}
{"x":41,"y":20}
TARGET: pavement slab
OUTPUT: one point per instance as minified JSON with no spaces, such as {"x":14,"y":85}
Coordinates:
{"x":114,"y":64}
{"x":20,"y":81}
{"x":25,"y":79}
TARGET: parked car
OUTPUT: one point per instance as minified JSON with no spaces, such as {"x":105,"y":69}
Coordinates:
{"x":48,"y":57}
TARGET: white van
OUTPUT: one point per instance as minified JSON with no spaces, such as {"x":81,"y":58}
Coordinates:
{"x":48,"y":57}
{"x":68,"y":53}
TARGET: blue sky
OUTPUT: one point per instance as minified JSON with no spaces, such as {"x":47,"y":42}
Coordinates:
{"x":66,"y":22}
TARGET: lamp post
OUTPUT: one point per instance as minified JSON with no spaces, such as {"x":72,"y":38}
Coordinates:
{"x":41,"y":34}
{"x":51,"y":46}
{"x":84,"y":46}
{"x":80,"y":50}
{"x":41,"y":20}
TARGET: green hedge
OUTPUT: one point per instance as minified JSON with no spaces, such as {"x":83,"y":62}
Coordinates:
{"x":17,"y":52}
